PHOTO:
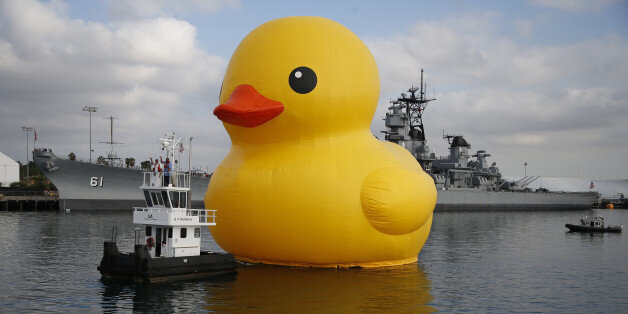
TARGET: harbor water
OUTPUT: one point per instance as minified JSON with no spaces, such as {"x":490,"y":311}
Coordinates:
{"x":472,"y":261}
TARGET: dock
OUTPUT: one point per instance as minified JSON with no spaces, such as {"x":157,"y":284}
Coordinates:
{"x":29,"y":200}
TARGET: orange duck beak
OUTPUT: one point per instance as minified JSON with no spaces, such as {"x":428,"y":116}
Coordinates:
{"x":248,"y":108}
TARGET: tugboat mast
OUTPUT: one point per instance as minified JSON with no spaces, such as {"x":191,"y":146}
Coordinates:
{"x":169,"y":143}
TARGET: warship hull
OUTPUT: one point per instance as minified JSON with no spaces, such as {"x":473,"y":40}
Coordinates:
{"x":473,"y":199}
{"x":88,"y":186}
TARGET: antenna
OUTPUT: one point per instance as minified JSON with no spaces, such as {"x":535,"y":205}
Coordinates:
{"x":111,"y":156}
{"x":111,"y":142}
{"x":169,"y":143}
{"x":421,"y":83}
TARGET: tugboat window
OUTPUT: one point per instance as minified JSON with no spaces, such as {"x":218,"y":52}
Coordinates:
{"x":149,"y":231}
{"x":183,"y":197}
{"x":184,"y":233}
{"x":147,"y":197}
{"x":154,"y":198}
{"x":174,"y":198}
{"x":160,"y":200}
{"x":164,"y":194}
{"x":197,"y":232}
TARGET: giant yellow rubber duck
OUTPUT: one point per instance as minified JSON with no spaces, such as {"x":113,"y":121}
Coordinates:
{"x":305,"y":182}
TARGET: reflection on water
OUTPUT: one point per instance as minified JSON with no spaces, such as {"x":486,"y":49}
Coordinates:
{"x":472,"y":261}
{"x":279,"y":289}
{"x":283,"y":289}
{"x":164,"y":297}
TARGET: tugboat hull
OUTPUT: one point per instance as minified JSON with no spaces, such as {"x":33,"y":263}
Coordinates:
{"x":139,"y":266}
{"x":581,"y":228}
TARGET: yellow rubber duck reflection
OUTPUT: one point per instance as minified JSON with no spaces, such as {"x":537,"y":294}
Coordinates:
{"x":305,"y":182}
{"x":276,"y":289}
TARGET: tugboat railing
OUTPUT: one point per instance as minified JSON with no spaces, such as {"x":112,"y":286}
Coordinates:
{"x":177,"y":179}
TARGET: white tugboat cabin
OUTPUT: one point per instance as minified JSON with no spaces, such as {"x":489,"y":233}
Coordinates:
{"x":172,"y":229}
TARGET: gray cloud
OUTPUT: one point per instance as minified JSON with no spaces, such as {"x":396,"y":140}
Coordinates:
{"x":149,"y":73}
{"x":551,"y":106}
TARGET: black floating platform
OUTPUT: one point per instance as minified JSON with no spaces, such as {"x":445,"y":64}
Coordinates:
{"x":139,"y":266}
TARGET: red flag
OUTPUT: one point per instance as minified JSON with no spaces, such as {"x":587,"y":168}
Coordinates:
{"x":35,"y":134}
{"x":180,"y":147}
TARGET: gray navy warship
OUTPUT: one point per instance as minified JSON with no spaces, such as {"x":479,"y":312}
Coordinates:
{"x":465,"y":181}
{"x":102,"y":186}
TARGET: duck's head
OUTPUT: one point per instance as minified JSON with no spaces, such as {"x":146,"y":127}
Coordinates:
{"x":298,"y":78}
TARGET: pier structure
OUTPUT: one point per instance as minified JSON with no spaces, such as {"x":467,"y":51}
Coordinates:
{"x":29,"y":201}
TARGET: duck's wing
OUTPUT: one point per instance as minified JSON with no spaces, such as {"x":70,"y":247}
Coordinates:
{"x":397,"y":200}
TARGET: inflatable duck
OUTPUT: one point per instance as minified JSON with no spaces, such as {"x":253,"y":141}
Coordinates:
{"x":305,"y":182}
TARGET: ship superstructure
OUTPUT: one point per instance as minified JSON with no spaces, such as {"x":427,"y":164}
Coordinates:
{"x":464,"y":179}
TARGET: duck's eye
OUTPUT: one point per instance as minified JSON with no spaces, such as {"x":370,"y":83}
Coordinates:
{"x":302,"y":80}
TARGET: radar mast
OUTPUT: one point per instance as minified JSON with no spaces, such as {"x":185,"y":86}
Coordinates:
{"x":404,"y":123}
{"x":414,"y":107}
{"x":112,"y":157}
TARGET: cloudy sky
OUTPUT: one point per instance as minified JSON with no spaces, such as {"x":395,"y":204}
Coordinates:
{"x":539,"y":81}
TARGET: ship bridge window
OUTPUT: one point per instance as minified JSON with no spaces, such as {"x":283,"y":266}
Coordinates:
{"x":154,"y":198}
{"x":197,"y":232}
{"x":184,"y":233}
{"x":174,"y":198}
{"x":183,"y":197}
{"x":147,"y":197}
{"x":164,"y":194}
{"x":160,"y":200}
{"x":149,"y":231}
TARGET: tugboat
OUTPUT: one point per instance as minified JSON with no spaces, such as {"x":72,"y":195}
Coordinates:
{"x":172,"y":241}
{"x":593,"y":224}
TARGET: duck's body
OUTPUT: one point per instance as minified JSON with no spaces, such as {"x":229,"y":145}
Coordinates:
{"x":311,"y":185}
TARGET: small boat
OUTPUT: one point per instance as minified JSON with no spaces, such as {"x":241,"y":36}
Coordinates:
{"x":171,"y":246}
{"x":593,"y":224}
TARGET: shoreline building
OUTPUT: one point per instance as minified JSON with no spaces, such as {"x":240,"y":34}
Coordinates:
{"x":9,"y":170}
